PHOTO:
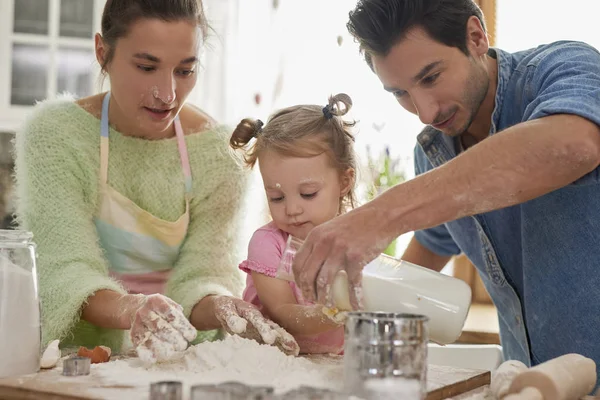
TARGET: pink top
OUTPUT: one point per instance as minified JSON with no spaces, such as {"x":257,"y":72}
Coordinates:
{"x":264,"y":253}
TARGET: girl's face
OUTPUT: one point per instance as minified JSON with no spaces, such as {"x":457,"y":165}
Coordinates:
{"x":152,"y":72}
{"x":302,"y":192}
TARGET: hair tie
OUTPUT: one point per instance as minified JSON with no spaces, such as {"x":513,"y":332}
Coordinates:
{"x":258,"y":127}
{"x":327,"y":112}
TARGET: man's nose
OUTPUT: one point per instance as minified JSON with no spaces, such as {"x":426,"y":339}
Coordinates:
{"x":426,"y":107}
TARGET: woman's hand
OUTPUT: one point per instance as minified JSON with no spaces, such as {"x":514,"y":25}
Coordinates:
{"x":159,"y":328}
{"x":243,"y":319}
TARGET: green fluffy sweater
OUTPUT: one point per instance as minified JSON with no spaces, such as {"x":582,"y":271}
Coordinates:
{"x":57,"y":173}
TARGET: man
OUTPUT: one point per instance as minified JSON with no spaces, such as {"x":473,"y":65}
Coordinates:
{"x":507,"y":173}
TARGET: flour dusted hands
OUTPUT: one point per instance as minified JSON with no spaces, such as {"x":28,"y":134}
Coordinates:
{"x":348,"y":242}
{"x":159,"y":328}
{"x":243,"y":319}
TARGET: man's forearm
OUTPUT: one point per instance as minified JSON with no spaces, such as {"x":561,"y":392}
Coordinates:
{"x":514,"y":166}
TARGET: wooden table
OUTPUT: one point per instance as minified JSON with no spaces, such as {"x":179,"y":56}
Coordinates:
{"x":443,"y":382}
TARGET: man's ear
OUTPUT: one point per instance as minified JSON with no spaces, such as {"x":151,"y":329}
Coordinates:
{"x":477,"y":39}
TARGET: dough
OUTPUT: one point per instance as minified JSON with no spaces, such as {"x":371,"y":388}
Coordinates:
{"x":503,"y":377}
{"x":337,"y":316}
{"x":567,"y":377}
{"x":51,"y":355}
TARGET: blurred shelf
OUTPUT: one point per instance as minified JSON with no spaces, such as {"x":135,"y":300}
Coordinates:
{"x":481,"y":326}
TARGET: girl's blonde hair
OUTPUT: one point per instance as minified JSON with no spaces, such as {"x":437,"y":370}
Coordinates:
{"x":303,"y":131}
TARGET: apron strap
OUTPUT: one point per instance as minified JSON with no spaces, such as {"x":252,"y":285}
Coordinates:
{"x":104,"y":128}
{"x":183,"y":155}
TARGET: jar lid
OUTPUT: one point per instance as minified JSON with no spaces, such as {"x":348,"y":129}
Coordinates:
{"x":7,"y":235}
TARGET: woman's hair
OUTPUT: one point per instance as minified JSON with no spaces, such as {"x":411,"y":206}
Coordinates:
{"x":119,"y":15}
{"x":303,"y":131}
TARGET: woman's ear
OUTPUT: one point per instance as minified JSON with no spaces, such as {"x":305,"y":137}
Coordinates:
{"x":100,"y":48}
{"x":347,"y":180}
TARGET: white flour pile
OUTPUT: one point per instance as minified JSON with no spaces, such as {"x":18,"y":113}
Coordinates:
{"x":233,"y":359}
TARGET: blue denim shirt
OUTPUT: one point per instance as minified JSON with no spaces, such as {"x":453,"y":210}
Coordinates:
{"x":539,"y":260}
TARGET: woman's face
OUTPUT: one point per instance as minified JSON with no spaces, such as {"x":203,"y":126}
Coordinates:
{"x":152,"y":72}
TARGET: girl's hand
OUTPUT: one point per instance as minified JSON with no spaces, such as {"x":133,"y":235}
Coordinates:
{"x":159,"y":328}
{"x":243,"y":319}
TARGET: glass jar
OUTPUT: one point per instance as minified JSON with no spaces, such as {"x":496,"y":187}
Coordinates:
{"x":20,"y":324}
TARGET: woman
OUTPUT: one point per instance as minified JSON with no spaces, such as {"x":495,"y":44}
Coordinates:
{"x":132,"y":193}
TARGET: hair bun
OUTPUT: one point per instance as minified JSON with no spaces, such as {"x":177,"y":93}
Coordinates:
{"x":245,"y":131}
{"x":339,"y":104}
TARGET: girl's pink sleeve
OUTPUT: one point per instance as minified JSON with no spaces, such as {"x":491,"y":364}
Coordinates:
{"x":264,"y":252}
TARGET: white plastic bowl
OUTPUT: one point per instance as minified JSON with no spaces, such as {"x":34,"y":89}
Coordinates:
{"x":472,"y":356}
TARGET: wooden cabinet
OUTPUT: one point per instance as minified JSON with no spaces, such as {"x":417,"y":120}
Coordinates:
{"x":464,"y":270}
{"x":46,"y":48}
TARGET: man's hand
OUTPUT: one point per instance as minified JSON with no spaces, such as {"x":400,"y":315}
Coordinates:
{"x":348,"y":242}
{"x":243,"y":319}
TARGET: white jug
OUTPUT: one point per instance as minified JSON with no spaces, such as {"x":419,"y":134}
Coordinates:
{"x":396,"y":286}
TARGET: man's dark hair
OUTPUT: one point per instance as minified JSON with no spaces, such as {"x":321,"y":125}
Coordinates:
{"x":377,"y":25}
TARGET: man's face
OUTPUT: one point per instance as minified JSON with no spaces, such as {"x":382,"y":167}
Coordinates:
{"x":440,"y":84}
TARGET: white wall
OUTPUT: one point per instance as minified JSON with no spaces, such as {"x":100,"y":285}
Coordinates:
{"x":522,"y":24}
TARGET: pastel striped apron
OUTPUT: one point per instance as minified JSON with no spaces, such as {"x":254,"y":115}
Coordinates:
{"x":141,"y":248}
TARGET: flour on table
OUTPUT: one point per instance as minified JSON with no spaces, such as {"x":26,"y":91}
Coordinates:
{"x":232,"y":359}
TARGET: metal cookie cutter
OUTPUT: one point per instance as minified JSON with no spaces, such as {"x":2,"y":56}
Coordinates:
{"x":166,"y":390}
{"x":232,"y":391}
{"x":76,"y":366}
{"x":310,"y":393}
{"x":207,"y":392}
{"x":237,"y":390}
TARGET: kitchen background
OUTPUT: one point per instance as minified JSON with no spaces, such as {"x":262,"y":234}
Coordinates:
{"x":263,"y":54}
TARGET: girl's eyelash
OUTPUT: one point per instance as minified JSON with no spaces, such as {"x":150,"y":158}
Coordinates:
{"x":304,"y":195}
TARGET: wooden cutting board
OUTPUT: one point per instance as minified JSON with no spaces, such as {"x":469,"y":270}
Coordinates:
{"x":443,"y":382}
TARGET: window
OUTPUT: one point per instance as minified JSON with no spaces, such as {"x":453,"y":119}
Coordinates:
{"x":47,"y":48}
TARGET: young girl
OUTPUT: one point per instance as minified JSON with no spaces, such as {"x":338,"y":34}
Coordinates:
{"x":307,"y":162}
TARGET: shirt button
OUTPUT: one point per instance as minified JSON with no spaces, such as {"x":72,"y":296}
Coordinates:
{"x":518,"y":320}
